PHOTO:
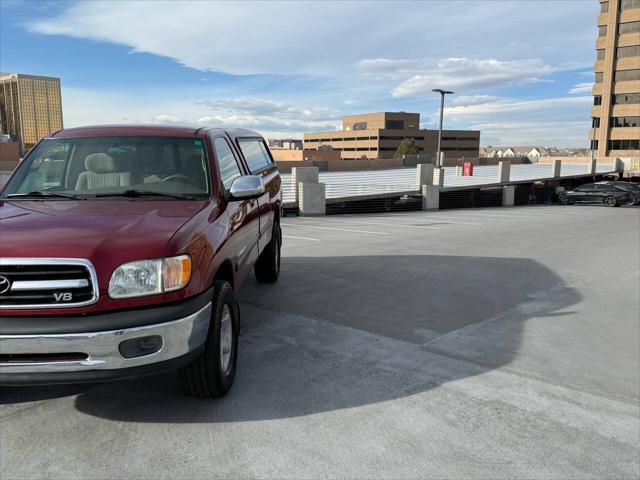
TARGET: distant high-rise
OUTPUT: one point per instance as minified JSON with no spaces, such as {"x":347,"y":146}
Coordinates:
{"x":30,"y":107}
{"x":616,"y":94}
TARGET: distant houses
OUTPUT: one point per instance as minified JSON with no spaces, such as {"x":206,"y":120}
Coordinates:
{"x":531,"y":152}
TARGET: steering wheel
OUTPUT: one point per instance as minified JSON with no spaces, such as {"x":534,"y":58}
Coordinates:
{"x":181,"y":179}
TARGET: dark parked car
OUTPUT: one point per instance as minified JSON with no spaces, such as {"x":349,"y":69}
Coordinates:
{"x":633,"y":188}
{"x":608,"y":195}
{"x":122,"y":249}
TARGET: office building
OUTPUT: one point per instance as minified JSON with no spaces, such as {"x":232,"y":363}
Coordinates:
{"x":615,"y":116}
{"x":378,"y":135}
{"x":30,"y":108}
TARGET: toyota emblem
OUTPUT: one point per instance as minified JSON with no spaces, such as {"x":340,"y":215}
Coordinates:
{"x":5,"y":284}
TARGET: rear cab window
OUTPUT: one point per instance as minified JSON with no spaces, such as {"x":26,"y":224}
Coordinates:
{"x":256,"y":154}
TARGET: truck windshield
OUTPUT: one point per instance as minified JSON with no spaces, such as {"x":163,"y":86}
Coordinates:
{"x":103,"y":167}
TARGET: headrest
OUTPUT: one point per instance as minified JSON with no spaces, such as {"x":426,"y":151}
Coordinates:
{"x":100,"y":163}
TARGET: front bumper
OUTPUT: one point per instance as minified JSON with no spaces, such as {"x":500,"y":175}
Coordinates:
{"x":92,"y":356}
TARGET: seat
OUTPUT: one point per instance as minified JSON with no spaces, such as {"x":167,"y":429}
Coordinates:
{"x":100,"y":172}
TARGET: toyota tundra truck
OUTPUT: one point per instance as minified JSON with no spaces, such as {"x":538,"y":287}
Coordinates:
{"x":122,"y":247}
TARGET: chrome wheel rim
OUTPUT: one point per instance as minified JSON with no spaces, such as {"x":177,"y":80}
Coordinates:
{"x":609,"y":201}
{"x":226,"y":338}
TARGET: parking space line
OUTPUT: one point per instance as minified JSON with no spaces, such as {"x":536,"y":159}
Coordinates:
{"x":386,"y":224}
{"x":301,"y":238}
{"x":417,"y":216}
{"x":336,"y":229}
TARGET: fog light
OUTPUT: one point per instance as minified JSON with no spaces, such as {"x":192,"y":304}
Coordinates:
{"x":137,"y":347}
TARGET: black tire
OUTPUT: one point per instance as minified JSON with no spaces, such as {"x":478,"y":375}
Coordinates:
{"x":563,"y":200}
{"x":206,"y":377}
{"x":610,"y":201}
{"x":267,"y":268}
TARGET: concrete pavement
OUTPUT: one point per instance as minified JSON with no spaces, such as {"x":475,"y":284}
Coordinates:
{"x":485,"y":343}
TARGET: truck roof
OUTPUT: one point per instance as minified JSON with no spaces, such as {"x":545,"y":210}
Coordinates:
{"x":149,"y":130}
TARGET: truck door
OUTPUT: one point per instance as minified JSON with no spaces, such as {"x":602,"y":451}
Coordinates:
{"x":259,"y":162}
{"x":243,"y":214}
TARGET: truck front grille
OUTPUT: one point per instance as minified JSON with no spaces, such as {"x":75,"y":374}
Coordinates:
{"x":46,"y":283}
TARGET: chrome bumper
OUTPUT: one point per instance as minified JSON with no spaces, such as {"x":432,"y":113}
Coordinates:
{"x":179,"y":337}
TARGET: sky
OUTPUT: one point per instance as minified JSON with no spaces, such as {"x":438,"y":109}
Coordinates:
{"x":522,"y":70}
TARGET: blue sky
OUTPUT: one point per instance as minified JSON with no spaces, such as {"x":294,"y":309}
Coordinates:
{"x":522,"y":70}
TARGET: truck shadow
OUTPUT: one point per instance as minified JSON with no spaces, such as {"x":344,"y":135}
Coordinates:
{"x":342,"y":332}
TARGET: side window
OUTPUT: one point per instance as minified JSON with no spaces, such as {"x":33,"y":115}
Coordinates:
{"x":227,"y":164}
{"x":255,"y":152}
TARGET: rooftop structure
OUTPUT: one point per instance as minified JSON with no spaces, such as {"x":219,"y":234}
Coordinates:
{"x":378,"y":135}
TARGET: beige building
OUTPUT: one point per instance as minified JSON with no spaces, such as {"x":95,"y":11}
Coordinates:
{"x":30,"y":107}
{"x":616,"y":107}
{"x":378,"y":135}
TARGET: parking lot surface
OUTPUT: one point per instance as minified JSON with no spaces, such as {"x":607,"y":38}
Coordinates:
{"x":484,"y":343}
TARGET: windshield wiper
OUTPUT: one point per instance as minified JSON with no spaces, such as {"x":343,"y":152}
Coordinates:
{"x":135,"y":193}
{"x":41,"y":194}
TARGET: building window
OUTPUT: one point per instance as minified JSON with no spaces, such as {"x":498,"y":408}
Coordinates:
{"x":604,"y":7}
{"x":360,"y":126}
{"x":624,"y":144}
{"x":624,"y":122}
{"x":629,"y":27}
{"x":597,"y":100}
{"x":602,"y":31}
{"x":594,"y":144}
{"x":623,"y":52}
{"x":394,"y":125}
{"x":626,"y":75}
{"x":600,"y":54}
{"x":628,"y":4}
{"x":599,"y":76}
{"x":595,"y":122}
{"x":626,"y":98}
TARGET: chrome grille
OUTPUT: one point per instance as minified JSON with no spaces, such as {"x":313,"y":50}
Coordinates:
{"x":46,"y":283}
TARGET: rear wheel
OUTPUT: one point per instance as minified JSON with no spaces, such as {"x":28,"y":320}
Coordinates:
{"x":610,"y":201}
{"x":211,"y":375}
{"x":267,"y":268}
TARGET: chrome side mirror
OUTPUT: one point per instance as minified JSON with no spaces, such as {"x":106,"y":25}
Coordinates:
{"x":246,"y":187}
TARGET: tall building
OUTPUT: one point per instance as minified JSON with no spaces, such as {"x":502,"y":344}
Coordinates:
{"x":616,"y":94}
{"x":30,"y":107}
{"x":378,"y":135}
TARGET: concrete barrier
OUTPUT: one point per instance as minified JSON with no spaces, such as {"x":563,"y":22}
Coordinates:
{"x":424,"y":174}
{"x":438,"y":177}
{"x":311,"y":199}
{"x":556,"y":165}
{"x":430,"y":197}
{"x":508,"y":195}
{"x":591,"y":166}
{"x":504,"y":171}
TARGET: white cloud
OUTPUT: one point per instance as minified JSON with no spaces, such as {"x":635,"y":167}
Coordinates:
{"x":419,"y":76}
{"x":582,"y":88}
{"x":505,"y":106}
{"x":322,"y":37}
{"x":472,"y":99}
{"x":560,"y":121}
{"x":265,"y":116}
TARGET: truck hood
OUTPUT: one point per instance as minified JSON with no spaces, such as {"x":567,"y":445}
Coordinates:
{"x":97,"y":230}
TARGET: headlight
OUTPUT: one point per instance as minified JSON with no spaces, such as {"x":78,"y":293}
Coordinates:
{"x":150,"y":277}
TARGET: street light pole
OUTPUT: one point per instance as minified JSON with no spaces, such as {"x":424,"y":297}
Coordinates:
{"x":442,"y":94}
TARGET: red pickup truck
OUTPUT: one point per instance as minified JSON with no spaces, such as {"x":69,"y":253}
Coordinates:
{"x":121,"y":248}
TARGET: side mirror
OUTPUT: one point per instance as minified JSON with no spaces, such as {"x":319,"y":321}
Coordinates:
{"x":246,"y":187}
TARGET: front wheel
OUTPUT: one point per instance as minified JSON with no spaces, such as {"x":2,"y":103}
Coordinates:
{"x":267,"y":268}
{"x":563,"y":200}
{"x":610,"y":201}
{"x":211,"y":374}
